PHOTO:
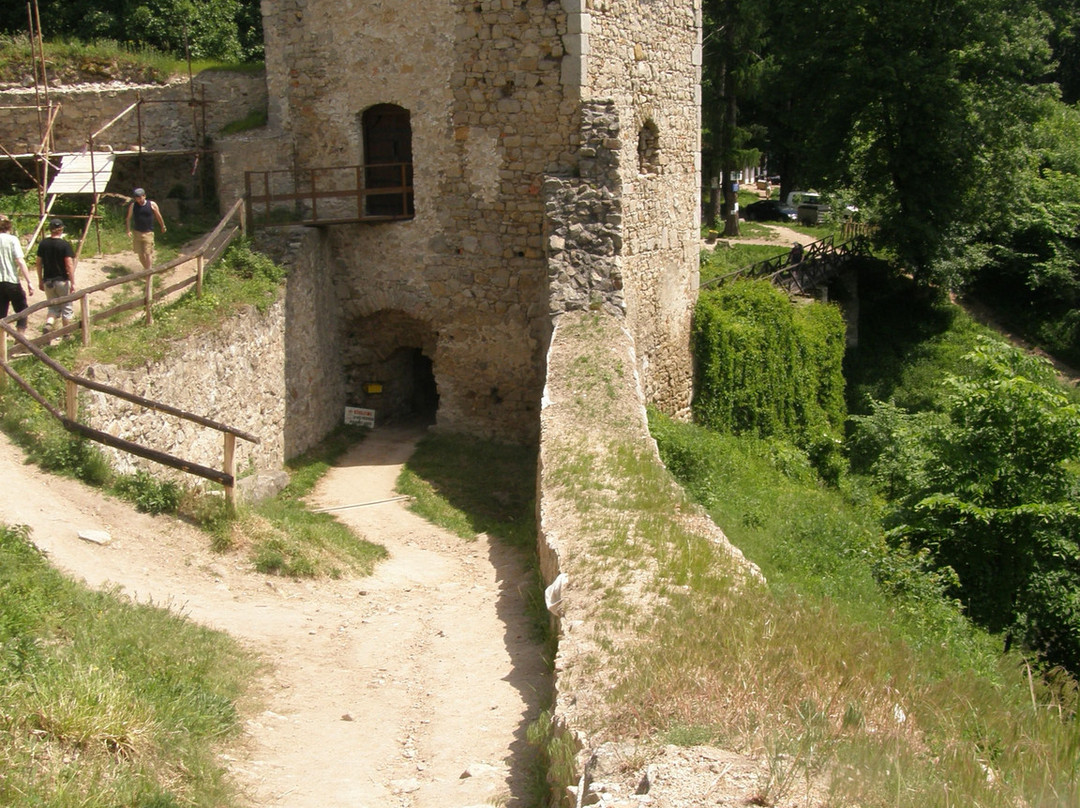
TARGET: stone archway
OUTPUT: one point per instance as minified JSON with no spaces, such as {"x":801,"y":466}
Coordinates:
{"x":390,"y":366}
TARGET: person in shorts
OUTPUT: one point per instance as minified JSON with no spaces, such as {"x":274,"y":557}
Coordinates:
{"x":56,"y":273}
{"x":141,"y":215}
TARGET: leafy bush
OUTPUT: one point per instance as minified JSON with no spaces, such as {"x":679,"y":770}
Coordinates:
{"x":768,"y":368}
{"x":149,"y":494}
{"x":989,"y":488}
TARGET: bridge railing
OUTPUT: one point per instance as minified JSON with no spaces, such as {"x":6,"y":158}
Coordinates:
{"x":330,"y":194}
{"x":780,"y":268}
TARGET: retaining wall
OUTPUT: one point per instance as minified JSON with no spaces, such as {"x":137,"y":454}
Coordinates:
{"x":254,"y":373}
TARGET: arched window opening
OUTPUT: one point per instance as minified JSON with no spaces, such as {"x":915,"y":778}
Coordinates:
{"x":648,"y":149}
{"x":388,"y":169}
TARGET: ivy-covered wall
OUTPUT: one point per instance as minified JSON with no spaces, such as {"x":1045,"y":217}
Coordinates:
{"x":769,"y":367}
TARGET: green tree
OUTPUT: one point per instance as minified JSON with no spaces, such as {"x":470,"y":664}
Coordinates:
{"x":228,"y":30}
{"x":1065,"y":41}
{"x":1029,"y":263}
{"x":991,"y":489}
{"x":921,"y":107}
{"x":731,"y":70}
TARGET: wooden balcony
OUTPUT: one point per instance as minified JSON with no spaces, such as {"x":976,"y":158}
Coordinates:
{"x":317,"y":197}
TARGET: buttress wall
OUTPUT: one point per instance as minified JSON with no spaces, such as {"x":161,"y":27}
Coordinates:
{"x":645,"y":55}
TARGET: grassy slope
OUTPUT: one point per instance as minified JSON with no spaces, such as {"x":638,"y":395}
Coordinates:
{"x":851,"y":662}
{"x":107,"y":703}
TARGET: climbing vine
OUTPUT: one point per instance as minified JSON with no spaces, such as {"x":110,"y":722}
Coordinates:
{"x":770,"y":368}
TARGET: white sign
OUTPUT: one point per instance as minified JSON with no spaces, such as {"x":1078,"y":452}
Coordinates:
{"x":360,"y":416}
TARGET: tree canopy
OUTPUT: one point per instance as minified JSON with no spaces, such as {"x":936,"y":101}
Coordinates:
{"x":931,"y":116}
{"x":226,"y":30}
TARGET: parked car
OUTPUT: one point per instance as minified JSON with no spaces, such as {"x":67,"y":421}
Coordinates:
{"x":768,"y":210}
{"x":809,"y":206}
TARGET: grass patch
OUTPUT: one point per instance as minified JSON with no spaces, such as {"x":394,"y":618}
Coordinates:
{"x":71,"y":61}
{"x":896,"y":697}
{"x":256,"y":119}
{"x":470,"y":486}
{"x":283,"y":537}
{"x":848,"y":669}
{"x":728,"y":257}
{"x":106,"y":702}
{"x":241,"y":278}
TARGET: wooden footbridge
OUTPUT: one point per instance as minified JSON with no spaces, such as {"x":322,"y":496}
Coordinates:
{"x":802,"y":269}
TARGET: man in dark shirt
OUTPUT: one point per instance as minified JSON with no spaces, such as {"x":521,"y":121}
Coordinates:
{"x":56,"y":273}
{"x":141,"y":215}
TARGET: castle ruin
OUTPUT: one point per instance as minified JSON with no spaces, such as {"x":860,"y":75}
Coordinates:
{"x":546,"y":155}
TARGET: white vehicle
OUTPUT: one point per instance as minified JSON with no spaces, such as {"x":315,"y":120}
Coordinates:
{"x":809,"y":207}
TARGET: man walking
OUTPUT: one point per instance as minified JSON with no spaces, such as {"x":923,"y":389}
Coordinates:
{"x":56,"y":273}
{"x":12,"y":262}
{"x":141,"y":215}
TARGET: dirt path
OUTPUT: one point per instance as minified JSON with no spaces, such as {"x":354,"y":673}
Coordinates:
{"x":780,"y":237}
{"x":412,"y":688}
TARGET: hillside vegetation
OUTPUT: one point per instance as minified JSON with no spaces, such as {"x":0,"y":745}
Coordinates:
{"x":870,"y":666}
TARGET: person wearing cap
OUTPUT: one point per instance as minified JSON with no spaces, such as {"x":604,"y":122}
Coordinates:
{"x":141,"y":214}
{"x":12,"y":262}
{"x":56,"y":273}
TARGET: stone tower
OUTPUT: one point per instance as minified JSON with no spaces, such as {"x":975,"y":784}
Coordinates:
{"x":553,"y":153}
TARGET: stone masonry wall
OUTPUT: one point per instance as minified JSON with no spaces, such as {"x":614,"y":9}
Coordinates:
{"x":254,"y":373}
{"x":489,"y":116}
{"x":233,"y":375}
{"x":645,"y":55}
{"x":169,"y":121}
{"x":584,"y":221}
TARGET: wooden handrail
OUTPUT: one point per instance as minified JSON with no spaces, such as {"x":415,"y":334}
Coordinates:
{"x":258,"y":191}
{"x":773,"y":267}
{"x":68,"y":417}
{"x":209,"y":247}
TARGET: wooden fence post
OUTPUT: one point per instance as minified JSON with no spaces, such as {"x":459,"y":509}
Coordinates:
{"x":198,"y":275}
{"x":148,"y":299}
{"x":71,"y":399}
{"x":229,"y":467}
{"x":84,"y":318}
{"x":3,"y":358}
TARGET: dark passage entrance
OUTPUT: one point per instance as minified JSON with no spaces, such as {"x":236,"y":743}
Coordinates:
{"x":389,"y":367}
{"x":425,"y":398}
{"x":387,"y":161}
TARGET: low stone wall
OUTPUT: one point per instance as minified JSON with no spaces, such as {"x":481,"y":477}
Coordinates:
{"x":594,"y":411}
{"x":233,"y":375}
{"x":171,"y":115}
{"x":252,"y":373}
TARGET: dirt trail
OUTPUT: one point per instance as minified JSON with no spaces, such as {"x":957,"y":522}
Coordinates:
{"x":780,"y":236}
{"x":410,"y":688}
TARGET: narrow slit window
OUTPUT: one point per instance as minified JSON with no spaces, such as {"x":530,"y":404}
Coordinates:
{"x":648,"y":149}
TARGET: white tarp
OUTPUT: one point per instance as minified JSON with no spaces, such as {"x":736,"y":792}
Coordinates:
{"x":83,"y":174}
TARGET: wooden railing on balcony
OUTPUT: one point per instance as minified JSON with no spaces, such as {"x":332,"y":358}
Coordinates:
{"x":377,"y":192}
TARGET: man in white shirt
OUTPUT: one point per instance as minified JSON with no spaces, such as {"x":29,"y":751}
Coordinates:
{"x":12,"y":262}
